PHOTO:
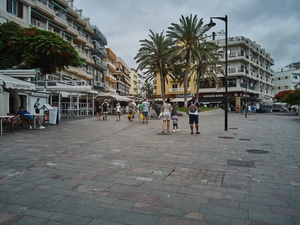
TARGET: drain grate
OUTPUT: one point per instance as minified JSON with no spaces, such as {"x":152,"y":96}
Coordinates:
{"x":233,"y":128}
{"x":234,"y":162}
{"x":244,"y":139}
{"x":257,"y":151}
{"x":227,"y":137}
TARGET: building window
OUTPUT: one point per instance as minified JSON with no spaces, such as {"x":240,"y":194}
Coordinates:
{"x":12,"y":7}
{"x":15,"y":7}
{"x":174,"y":86}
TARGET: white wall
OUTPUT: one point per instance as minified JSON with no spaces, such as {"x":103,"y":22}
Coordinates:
{"x":4,"y":103}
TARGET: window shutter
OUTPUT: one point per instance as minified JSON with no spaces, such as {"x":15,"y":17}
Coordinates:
{"x":20,"y":9}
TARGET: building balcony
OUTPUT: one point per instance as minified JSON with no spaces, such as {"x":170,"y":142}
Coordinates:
{"x":60,"y":20}
{"x":82,"y":39}
{"x":63,"y":3}
{"x":44,"y":7}
{"x":38,"y":24}
{"x":89,"y":45}
{"x":81,"y":21}
{"x":72,"y":12}
{"x":99,"y":35}
{"x":99,"y":84}
{"x":177,"y":90}
{"x":100,"y":63}
{"x":111,"y":79}
{"x":83,"y":56}
{"x":111,"y":67}
{"x":72,"y":70}
{"x":88,"y":29}
{"x":72,"y":29}
{"x":82,"y":72}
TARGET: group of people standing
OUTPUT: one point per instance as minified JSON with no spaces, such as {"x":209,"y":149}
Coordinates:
{"x":143,"y":109}
{"x":192,"y":109}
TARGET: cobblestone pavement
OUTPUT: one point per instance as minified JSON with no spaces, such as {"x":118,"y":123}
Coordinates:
{"x":119,"y":172}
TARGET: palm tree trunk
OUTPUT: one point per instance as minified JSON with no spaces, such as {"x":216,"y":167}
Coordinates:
{"x":163,"y":89}
{"x":186,"y":77}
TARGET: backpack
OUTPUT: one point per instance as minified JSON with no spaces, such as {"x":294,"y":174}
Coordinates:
{"x":104,"y":106}
{"x":193,"y":107}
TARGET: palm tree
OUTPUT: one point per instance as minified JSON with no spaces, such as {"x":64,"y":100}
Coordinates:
{"x":154,"y":57}
{"x":207,"y":66}
{"x":187,"y":36}
{"x":148,"y":89}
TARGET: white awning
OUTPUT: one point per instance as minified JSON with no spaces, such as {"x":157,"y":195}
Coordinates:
{"x":56,"y":86}
{"x":116,"y":97}
{"x":13,"y":83}
{"x":180,"y":99}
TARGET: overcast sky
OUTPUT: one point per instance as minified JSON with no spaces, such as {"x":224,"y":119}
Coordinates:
{"x":273,"y":24}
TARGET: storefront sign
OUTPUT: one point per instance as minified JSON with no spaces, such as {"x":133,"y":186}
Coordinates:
{"x":213,"y":96}
{"x":182,"y":96}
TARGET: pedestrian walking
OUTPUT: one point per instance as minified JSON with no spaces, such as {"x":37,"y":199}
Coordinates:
{"x":175,"y":122}
{"x":166,"y":110}
{"x":192,"y":110}
{"x":145,"y":110}
{"x":105,"y":109}
{"x":118,"y":112}
{"x":131,"y":110}
{"x":98,"y":110}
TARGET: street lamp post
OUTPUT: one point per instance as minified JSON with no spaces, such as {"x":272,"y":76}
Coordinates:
{"x":246,"y":103}
{"x":211,"y":24}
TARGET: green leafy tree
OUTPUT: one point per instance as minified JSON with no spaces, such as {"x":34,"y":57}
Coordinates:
{"x":35,"y":48}
{"x":26,"y":48}
{"x":293,"y":98}
{"x":153,"y":58}
{"x":187,"y":35}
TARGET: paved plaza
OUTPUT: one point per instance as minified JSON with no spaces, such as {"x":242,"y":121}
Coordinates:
{"x":91,"y":172}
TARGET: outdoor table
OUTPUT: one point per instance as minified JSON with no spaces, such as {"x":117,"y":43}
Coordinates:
{"x":1,"y":118}
{"x":34,"y":119}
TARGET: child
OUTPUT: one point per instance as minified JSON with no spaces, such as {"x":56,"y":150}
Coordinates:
{"x":175,"y":122}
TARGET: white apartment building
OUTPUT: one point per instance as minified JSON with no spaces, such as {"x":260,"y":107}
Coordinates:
{"x":287,"y":78}
{"x":64,"y":19}
{"x":249,"y":71}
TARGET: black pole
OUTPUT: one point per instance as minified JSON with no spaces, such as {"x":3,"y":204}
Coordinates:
{"x":226,"y":73}
{"x":246,"y":94}
{"x":210,"y":25}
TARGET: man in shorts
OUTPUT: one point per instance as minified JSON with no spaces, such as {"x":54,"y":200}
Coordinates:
{"x":145,"y":110}
{"x":105,"y":109}
{"x":192,"y":110}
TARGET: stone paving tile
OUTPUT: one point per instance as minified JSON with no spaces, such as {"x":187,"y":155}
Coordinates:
{"x":234,"y":221}
{"x":177,"y":221}
{"x":224,"y":203}
{"x":125,"y":217}
{"x":98,"y":169}
{"x":216,"y":219}
{"x":270,"y":218}
{"x":8,"y":217}
{"x":224,"y":211}
{"x":28,"y":220}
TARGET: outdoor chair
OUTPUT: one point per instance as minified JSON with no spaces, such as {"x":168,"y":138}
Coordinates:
{"x":11,"y":123}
